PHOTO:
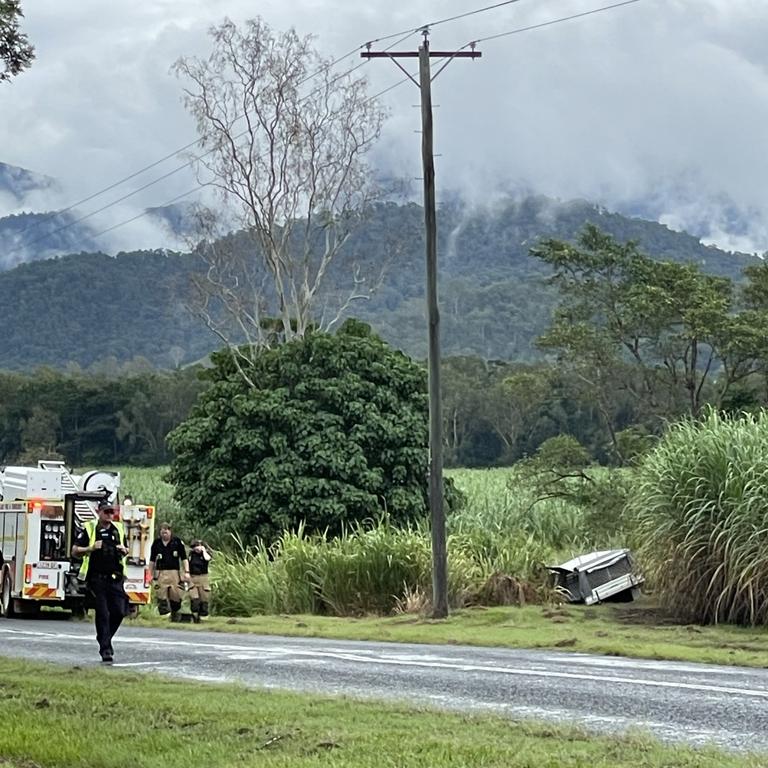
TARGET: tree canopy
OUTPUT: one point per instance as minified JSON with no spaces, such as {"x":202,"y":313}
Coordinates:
{"x":665,"y":334}
{"x":334,"y":431}
{"x":16,"y":52}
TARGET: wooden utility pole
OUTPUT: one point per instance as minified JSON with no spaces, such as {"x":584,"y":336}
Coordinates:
{"x":436,"y":509}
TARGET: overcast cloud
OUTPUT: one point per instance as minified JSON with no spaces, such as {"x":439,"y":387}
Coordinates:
{"x":658,"y":107}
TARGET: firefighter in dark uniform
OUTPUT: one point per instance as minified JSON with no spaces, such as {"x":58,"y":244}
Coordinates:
{"x":170,"y":568}
{"x":101,"y":544}
{"x":200,"y":586}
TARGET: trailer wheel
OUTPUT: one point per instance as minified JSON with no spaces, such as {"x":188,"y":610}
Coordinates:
{"x":6,"y":604}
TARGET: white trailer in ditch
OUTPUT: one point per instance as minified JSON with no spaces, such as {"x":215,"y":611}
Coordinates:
{"x":42,"y":510}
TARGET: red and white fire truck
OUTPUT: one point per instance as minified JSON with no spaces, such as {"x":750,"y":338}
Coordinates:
{"x":42,"y":510}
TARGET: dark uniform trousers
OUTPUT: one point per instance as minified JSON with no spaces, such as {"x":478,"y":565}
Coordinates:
{"x":111,"y":605}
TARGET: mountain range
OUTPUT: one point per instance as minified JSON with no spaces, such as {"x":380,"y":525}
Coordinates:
{"x":85,"y":306}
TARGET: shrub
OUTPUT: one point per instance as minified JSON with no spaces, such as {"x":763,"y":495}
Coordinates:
{"x":327,"y":430}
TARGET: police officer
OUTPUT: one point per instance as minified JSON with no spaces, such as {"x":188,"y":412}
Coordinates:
{"x":200,"y":587}
{"x":168,"y":559}
{"x":101,"y":544}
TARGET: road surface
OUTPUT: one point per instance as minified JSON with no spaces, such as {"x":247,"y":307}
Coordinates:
{"x":693,"y":703}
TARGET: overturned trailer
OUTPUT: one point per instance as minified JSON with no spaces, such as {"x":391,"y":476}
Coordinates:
{"x":597,"y":576}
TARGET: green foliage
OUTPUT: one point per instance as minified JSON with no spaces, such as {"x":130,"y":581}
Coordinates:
{"x":509,"y":506}
{"x":658,"y":330}
{"x":562,"y":469}
{"x":494,"y":298}
{"x":92,"y":419}
{"x":56,"y":319}
{"x":333,"y":431}
{"x":497,"y":537}
{"x":563,"y":453}
{"x":15,"y":51}
{"x":368,"y":569}
{"x":633,"y":443}
{"x":701,"y":502}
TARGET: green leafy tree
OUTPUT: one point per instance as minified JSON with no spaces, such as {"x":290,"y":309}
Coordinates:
{"x":333,"y":431}
{"x":512,"y":403}
{"x":465,"y":384}
{"x":664,"y":333}
{"x":562,"y":469}
{"x":15,"y":51}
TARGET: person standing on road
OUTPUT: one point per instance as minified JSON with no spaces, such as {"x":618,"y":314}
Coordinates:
{"x":101,"y":545}
{"x":170,"y":567}
{"x":200,"y":586}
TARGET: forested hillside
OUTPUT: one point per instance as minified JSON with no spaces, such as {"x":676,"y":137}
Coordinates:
{"x":34,"y":236}
{"x":495,"y":301}
{"x":88,"y":307}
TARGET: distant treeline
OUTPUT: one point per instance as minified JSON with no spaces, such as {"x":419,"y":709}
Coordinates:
{"x":92,"y":419}
{"x":495,"y":413}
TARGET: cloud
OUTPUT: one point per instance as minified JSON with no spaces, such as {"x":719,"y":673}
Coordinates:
{"x":660,"y":104}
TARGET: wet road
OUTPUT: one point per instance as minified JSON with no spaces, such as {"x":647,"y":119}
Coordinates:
{"x":694,"y":703}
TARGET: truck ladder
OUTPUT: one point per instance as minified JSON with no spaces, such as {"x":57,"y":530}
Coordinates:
{"x":84,"y":510}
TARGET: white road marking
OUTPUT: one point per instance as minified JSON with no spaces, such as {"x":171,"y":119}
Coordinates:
{"x":243,"y":652}
{"x":656,"y":665}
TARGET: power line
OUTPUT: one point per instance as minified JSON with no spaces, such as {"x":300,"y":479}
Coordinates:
{"x":198,"y":187}
{"x":553,"y":21}
{"x":405,"y":34}
{"x":442,"y":21}
{"x":147,"y":211}
{"x":400,"y":82}
{"x":175,"y":153}
{"x":470,"y":13}
{"x":189,"y":162}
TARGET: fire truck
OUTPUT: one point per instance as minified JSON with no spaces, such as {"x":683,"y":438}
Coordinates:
{"x":42,"y":510}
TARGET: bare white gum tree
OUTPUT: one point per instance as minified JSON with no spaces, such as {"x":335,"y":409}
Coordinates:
{"x":283,"y":140}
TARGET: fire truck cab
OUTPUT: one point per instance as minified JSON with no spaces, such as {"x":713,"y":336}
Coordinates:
{"x":42,"y":511}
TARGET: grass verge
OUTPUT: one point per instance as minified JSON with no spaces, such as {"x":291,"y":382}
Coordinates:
{"x":637,"y":629}
{"x":72,"y":717}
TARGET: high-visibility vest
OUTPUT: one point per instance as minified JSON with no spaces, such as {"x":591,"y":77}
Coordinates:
{"x":90,"y":526}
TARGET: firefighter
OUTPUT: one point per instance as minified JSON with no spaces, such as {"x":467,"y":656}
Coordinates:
{"x":200,"y":587}
{"x":170,"y":568}
{"x":101,"y":544}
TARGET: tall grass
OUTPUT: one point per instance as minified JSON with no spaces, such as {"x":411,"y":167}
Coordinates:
{"x":498,"y":545}
{"x":504,"y":502}
{"x":371,"y":569}
{"x":701,"y":503}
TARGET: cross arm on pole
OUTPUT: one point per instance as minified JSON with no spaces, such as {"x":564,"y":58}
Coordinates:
{"x":395,"y":55}
{"x":415,"y":54}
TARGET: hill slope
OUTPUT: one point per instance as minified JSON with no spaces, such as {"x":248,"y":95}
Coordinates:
{"x":493,"y":295}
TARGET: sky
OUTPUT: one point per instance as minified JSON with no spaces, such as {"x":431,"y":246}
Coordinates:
{"x":659,"y":107}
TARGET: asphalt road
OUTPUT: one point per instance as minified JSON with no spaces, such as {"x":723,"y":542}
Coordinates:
{"x":694,"y":703}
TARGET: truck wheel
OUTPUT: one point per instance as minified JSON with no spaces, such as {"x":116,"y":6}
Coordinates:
{"x":6,"y":604}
